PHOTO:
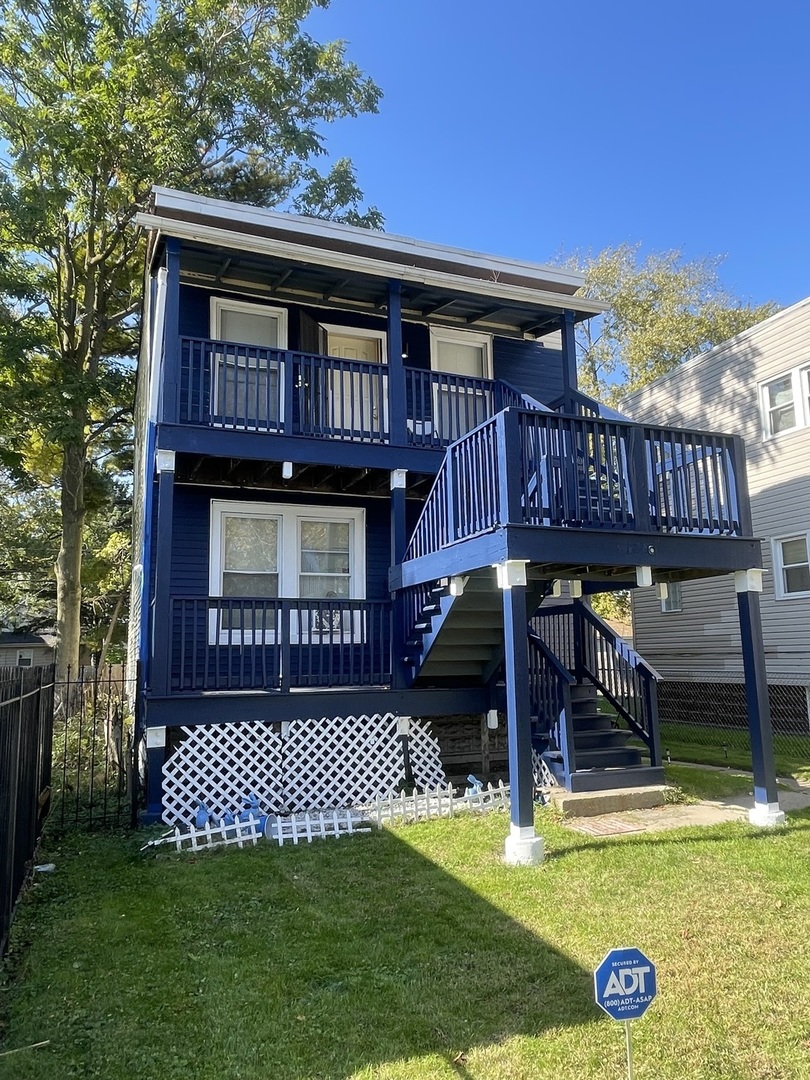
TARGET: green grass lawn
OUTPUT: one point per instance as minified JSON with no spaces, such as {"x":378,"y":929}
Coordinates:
{"x":693,"y":742}
{"x":414,"y":953}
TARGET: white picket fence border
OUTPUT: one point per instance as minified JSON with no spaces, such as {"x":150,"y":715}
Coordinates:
{"x":210,"y":836}
{"x":315,"y":825}
{"x":435,"y":803}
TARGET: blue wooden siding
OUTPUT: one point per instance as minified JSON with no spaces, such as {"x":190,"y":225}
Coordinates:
{"x":190,"y":539}
{"x":529,"y":367}
{"x":195,"y":322}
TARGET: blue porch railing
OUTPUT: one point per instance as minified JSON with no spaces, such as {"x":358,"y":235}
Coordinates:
{"x":240,"y":643}
{"x":589,"y":648}
{"x":550,"y":695}
{"x":536,"y":468}
{"x":247,"y":388}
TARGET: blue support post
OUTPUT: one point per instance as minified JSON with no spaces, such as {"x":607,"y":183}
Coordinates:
{"x":399,"y":543}
{"x":397,"y":388}
{"x":170,"y":390}
{"x":522,"y":845}
{"x":569,"y":358}
{"x":155,"y":758}
{"x":766,"y":798}
{"x":160,"y":660}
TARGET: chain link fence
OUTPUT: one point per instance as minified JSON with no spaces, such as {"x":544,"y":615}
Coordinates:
{"x":707,"y":722}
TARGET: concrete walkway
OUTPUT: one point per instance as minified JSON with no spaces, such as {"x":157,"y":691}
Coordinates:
{"x":684,"y":815}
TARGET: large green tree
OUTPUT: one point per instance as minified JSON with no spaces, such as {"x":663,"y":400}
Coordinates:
{"x":100,"y":100}
{"x":663,"y":309}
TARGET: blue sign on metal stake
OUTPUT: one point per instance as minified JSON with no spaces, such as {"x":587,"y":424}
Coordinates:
{"x":624,"y":984}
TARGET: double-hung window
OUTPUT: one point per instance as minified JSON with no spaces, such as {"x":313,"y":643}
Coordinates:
{"x":786,"y":402}
{"x":792,"y":565}
{"x":25,"y":658}
{"x":248,"y":384}
{"x":673,"y":601}
{"x":262,"y":553}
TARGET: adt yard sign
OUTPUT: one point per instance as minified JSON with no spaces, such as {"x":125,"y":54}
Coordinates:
{"x":625,"y":984}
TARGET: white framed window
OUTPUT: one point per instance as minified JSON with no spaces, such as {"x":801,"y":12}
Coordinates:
{"x":461,"y":352}
{"x":247,"y":388}
{"x":459,"y":405}
{"x":25,"y":658}
{"x":673,"y":601}
{"x":791,"y":560}
{"x":264,"y":551}
{"x":785,"y":402}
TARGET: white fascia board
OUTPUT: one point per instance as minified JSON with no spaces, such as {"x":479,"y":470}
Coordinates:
{"x":170,"y":199}
{"x":361,"y":264}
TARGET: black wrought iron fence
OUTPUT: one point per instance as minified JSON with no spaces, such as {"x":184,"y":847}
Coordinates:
{"x":94,"y":774}
{"x":26,"y":712}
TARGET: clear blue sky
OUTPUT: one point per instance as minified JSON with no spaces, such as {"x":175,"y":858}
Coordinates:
{"x":528,"y":128}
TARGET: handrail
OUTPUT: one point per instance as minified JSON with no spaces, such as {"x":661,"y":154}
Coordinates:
{"x":525,"y":467}
{"x":596,"y":652}
{"x":255,"y":388}
{"x":221,"y":643}
{"x":550,"y":695}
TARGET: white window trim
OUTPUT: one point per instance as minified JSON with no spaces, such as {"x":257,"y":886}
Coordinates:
{"x":225,"y":303}
{"x":672,"y":610}
{"x":461,"y":337}
{"x":355,"y":331}
{"x":290,"y":517}
{"x":800,"y":385}
{"x":778,"y":576}
{"x":25,"y":654}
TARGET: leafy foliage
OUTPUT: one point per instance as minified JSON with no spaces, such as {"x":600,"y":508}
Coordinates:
{"x":98,"y":102}
{"x":662,"y":311}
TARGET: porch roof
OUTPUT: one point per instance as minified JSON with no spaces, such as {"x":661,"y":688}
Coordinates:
{"x":306,"y":260}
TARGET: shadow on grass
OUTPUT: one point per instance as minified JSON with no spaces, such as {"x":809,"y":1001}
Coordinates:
{"x":291,"y":963}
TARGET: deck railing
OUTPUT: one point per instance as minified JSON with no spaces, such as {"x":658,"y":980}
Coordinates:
{"x":248,"y":388}
{"x":241,"y":643}
{"x":550,"y":695}
{"x":589,"y":648}
{"x":526,"y":467}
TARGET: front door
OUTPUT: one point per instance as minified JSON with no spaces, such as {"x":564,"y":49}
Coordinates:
{"x":357,"y":393}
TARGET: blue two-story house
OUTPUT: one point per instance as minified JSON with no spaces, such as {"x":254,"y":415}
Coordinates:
{"x":368,"y":487}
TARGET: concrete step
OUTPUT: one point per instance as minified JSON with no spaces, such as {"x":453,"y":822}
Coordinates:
{"x":609,"y":801}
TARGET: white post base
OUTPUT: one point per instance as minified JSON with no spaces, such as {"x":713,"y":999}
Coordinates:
{"x":766,"y":815}
{"x":523,"y":847}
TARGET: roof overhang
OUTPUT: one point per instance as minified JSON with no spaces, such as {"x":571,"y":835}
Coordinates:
{"x":305,"y":260}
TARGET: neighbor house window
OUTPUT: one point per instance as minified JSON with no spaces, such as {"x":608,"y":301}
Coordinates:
{"x":247,"y":386}
{"x":786,"y":402}
{"x":792,"y":565}
{"x":25,"y":658}
{"x":673,"y":600}
{"x":261,"y":552}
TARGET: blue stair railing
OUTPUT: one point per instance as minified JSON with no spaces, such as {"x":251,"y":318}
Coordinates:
{"x":550,"y":696}
{"x":589,"y":648}
{"x":525,"y":467}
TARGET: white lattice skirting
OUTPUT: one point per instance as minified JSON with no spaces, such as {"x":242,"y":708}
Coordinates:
{"x":309,"y":765}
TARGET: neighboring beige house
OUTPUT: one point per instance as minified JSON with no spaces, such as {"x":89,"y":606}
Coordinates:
{"x":26,"y":650}
{"x":756,"y":385}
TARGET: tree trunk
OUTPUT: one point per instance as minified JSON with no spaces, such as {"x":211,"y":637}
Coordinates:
{"x":119,"y":603}
{"x":69,"y":562}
